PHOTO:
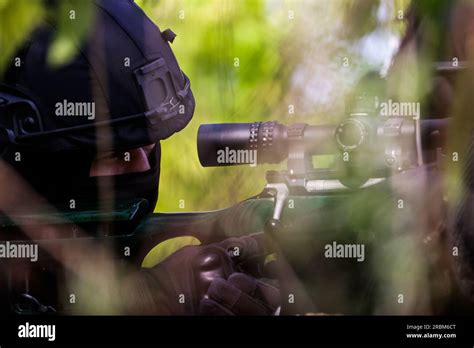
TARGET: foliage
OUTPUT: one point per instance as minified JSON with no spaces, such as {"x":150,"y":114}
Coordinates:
{"x":232,"y":52}
{"x":284,"y":48}
{"x":17,"y":20}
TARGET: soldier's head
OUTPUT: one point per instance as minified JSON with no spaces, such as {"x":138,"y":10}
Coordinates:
{"x":89,"y":130}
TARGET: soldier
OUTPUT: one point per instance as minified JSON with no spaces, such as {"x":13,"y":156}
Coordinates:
{"x":88,"y":134}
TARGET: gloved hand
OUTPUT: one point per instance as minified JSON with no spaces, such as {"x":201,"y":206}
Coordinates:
{"x":240,"y":294}
{"x":203,"y":280}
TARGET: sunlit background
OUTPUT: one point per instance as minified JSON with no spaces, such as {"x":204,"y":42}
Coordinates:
{"x":248,"y":60}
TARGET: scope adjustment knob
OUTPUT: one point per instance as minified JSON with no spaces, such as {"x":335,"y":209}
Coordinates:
{"x":351,"y":134}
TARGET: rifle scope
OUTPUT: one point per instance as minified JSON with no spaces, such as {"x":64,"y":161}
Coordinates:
{"x":227,"y":144}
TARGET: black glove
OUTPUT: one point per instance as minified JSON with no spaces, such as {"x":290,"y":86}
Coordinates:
{"x":179,"y":284}
{"x":240,"y":294}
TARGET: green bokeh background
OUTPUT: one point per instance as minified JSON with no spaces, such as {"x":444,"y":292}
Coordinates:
{"x":274,"y":44}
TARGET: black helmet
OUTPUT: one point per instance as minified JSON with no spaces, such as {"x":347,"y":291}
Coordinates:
{"x":124,"y":69}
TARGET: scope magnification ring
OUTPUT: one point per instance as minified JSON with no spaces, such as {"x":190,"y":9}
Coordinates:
{"x":261,"y":136}
{"x":253,"y":139}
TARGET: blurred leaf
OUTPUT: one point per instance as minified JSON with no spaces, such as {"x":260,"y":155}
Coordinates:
{"x":17,"y":19}
{"x":73,"y":19}
{"x":360,"y":17}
